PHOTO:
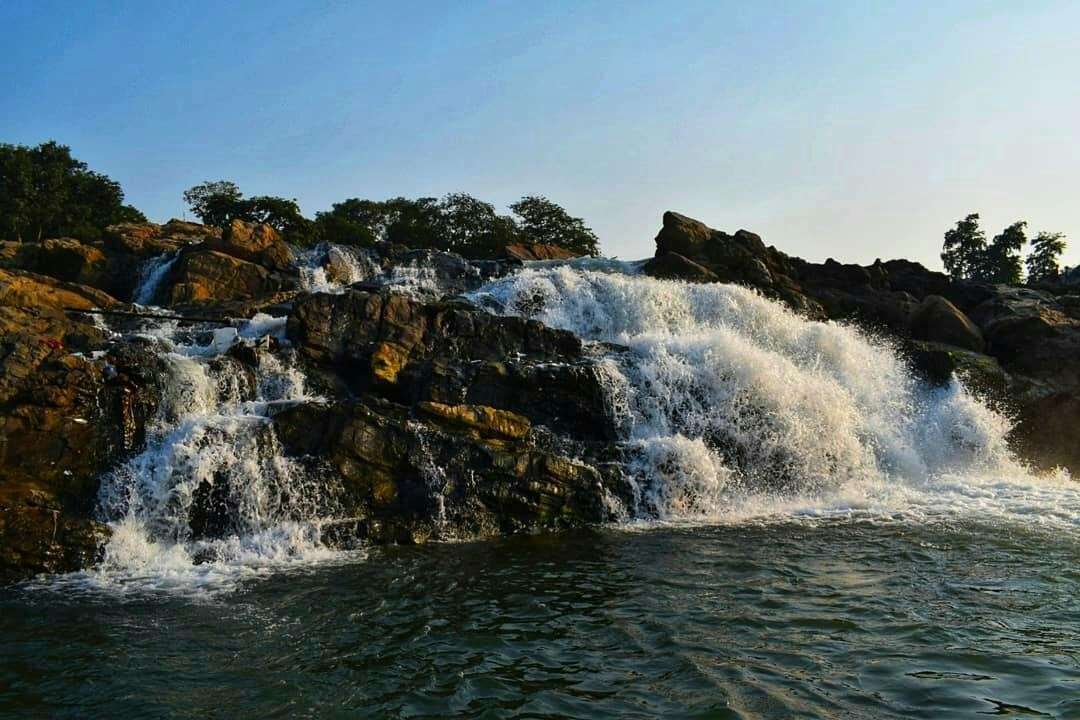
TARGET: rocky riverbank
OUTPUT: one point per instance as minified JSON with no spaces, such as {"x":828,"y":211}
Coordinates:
{"x":428,"y":416}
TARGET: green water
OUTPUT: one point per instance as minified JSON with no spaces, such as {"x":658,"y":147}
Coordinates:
{"x":828,"y":619}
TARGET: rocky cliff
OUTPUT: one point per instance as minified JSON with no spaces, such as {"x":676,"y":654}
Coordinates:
{"x":428,"y":416}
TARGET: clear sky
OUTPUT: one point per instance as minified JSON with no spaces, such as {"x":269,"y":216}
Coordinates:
{"x":853,"y":130}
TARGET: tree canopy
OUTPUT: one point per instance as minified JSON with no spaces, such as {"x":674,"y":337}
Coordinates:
{"x":1001,"y":261}
{"x":458,"y":222}
{"x":45,"y":192}
{"x":967,"y":255}
{"x":219,"y":202}
{"x":964,"y":248}
{"x":1042,"y":262}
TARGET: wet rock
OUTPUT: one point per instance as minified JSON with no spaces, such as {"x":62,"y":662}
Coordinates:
{"x":64,"y":419}
{"x":446,"y":472}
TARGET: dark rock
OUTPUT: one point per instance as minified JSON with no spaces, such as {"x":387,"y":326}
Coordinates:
{"x":938,"y":320}
{"x":673,"y":266}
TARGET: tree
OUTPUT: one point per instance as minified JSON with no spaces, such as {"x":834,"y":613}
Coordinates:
{"x":472,"y":228}
{"x":1001,"y":261}
{"x":542,"y":221}
{"x":215,"y":202}
{"x":279,"y":213}
{"x":964,"y":249}
{"x":352,"y":222}
{"x":45,"y":192}
{"x":1042,"y":262}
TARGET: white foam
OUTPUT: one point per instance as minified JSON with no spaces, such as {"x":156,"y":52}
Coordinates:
{"x":734,"y":407}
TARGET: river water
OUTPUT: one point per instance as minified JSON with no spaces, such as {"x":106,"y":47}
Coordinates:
{"x":814,"y":532}
{"x":795,"y":617}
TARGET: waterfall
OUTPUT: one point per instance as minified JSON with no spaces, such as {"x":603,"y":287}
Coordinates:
{"x":212,"y":495}
{"x":151,"y":274}
{"x":732,"y":405}
{"x":331,"y":268}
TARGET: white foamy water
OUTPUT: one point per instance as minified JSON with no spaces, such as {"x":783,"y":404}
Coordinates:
{"x":151,"y":275}
{"x":212,"y":460}
{"x":734,"y":408}
{"x":331,"y":268}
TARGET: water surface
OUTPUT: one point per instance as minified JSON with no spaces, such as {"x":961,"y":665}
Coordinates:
{"x":794,"y":618}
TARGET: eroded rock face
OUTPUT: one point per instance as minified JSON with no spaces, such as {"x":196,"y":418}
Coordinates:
{"x":255,"y":243}
{"x":64,"y":419}
{"x":442,"y":471}
{"x":245,"y":262}
{"x":202,"y":275}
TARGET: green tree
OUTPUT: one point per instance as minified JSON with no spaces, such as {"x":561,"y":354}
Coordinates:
{"x":472,"y":228}
{"x":964,"y":249}
{"x":414,"y":223}
{"x":542,"y":221}
{"x":279,"y":213}
{"x":1001,"y":261}
{"x":1042,"y":262}
{"x":45,"y":192}
{"x":352,"y":222}
{"x":215,"y":202}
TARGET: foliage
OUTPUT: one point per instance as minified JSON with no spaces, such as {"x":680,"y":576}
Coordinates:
{"x":214,"y":202}
{"x":542,"y":221}
{"x":219,"y":202}
{"x":1001,"y":261}
{"x":458,"y":222}
{"x":964,"y":248}
{"x":45,"y":192}
{"x":1042,"y":262}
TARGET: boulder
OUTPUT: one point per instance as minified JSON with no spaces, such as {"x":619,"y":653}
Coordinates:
{"x":938,"y":320}
{"x":673,"y":266}
{"x":200,"y":275}
{"x":446,"y":471}
{"x":683,"y":235}
{"x":525,"y":252}
{"x":255,"y":243}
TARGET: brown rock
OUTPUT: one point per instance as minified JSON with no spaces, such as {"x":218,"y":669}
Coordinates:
{"x":938,"y":320}
{"x":203,"y":275}
{"x":483,"y":420}
{"x":683,"y":235}
{"x":256,"y":243}
{"x":537,"y":251}
{"x":25,"y":289}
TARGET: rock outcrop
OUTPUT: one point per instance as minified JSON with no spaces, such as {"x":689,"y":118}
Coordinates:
{"x":64,"y":419}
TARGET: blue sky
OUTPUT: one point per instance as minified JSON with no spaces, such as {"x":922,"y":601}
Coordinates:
{"x":851,"y":130}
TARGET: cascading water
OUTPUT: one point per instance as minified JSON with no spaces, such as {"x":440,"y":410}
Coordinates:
{"x":150,"y":276}
{"x":733,"y":406}
{"x":212,"y":497}
{"x":730,"y":407}
{"x":331,"y":268}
